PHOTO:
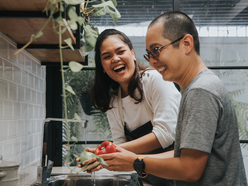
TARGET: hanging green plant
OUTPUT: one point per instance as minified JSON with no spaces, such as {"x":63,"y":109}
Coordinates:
{"x":55,"y":11}
{"x":87,"y":10}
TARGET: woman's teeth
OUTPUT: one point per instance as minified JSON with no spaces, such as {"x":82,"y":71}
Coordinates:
{"x":119,"y":68}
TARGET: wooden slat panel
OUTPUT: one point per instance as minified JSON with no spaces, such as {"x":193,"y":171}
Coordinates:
{"x":49,"y":55}
{"x":20,"y":30}
{"x":22,"y":5}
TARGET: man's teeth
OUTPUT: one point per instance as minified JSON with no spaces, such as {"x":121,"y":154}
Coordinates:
{"x":161,"y":69}
{"x":118,"y":67}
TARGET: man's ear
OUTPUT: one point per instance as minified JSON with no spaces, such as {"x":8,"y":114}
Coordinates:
{"x":188,"y":43}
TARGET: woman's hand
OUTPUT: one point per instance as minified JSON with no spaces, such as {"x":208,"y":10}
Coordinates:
{"x":122,"y":160}
{"x":90,"y":149}
{"x":93,"y":164}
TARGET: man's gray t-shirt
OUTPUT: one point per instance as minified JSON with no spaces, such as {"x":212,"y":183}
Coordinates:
{"x":207,"y":122}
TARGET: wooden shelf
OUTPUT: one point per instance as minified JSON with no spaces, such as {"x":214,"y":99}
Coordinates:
{"x":52,"y":55}
{"x":20,"y":29}
{"x":23,"y":5}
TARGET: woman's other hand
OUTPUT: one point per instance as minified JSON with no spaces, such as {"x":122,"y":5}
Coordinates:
{"x":90,"y":149}
{"x":121,"y":161}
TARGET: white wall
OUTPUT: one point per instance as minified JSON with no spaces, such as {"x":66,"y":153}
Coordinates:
{"x":22,"y":105}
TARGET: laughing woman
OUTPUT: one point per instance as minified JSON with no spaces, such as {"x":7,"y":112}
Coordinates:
{"x":141,"y":107}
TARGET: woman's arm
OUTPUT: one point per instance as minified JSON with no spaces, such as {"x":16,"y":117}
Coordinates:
{"x":163,"y":99}
{"x":116,"y":126}
{"x":143,"y":144}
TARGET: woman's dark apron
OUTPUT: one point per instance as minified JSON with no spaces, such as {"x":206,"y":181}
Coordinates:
{"x":139,"y":132}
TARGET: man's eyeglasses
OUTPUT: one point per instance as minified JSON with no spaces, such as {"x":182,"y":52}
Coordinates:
{"x":156,"y":51}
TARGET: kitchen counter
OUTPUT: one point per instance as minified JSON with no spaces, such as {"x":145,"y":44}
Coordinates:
{"x":65,"y":170}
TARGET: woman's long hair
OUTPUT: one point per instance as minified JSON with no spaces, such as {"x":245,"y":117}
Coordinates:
{"x":104,"y":88}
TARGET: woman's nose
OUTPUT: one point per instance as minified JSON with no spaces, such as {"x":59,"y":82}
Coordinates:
{"x":115,"y":58}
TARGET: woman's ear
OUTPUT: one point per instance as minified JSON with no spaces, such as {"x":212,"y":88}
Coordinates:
{"x":134,"y":58}
{"x":188,"y":43}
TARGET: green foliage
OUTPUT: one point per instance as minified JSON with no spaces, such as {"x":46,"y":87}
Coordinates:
{"x":74,"y":84}
{"x":87,"y":9}
{"x":75,"y":67}
{"x":225,"y":74}
{"x":90,"y":32}
{"x":241,"y":112}
{"x":102,"y":126}
{"x":134,"y":180}
{"x":241,"y":108}
{"x":79,"y":82}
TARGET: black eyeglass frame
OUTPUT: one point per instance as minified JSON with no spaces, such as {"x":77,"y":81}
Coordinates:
{"x":157,"y":49}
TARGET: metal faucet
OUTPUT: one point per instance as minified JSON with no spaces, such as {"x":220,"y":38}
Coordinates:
{"x":45,"y":169}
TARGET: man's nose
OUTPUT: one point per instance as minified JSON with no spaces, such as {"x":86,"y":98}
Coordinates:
{"x":153,"y":61}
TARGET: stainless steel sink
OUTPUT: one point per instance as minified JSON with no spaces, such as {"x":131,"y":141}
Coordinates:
{"x":88,"y":180}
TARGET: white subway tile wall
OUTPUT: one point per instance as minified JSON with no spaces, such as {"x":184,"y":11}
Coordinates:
{"x":22,"y":104}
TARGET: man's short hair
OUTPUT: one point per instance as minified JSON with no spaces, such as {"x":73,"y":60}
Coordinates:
{"x":177,"y":24}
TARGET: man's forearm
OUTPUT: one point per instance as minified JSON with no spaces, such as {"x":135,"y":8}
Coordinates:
{"x":168,"y":154}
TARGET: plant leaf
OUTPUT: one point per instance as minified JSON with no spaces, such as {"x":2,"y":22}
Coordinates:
{"x":62,"y":8}
{"x":115,"y":14}
{"x":75,"y":66}
{"x":69,"y":43}
{"x":60,"y":21}
{"x":39,"y":34}
{"x":73,"y":2}
{"x":99,"y":11}
{"x":77,"y":117}
{"x":114,"y":2}
{"x":88,"y":48}
{"x":90,"y":34}
{"x":81,"y":20}
{"x":72,"y":24}
{"x":74,"y":138}
{"x":69,"y":89}
{"x":72,"y":14}
{"x":89,"y":155}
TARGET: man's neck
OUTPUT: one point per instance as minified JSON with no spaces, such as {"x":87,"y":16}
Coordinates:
{"x":193,"y":70}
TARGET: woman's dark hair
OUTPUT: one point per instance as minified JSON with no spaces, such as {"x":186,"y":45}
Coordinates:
{"x":177,"y":24}
{"x":104,"y":88}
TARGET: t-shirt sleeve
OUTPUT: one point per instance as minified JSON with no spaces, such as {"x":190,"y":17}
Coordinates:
{"x":200,"y":120}
{"x":116,"y":126}
{"x":164,"y":100}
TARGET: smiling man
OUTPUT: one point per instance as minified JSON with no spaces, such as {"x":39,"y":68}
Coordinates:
{"x":207,"y":150}
{"x":207,"y":130}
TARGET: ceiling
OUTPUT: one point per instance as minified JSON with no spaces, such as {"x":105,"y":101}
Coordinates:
{"x":20,"y":19}
{"x":203,"y":12}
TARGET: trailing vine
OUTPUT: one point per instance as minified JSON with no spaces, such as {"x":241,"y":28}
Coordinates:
{"x":74,"y":21}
